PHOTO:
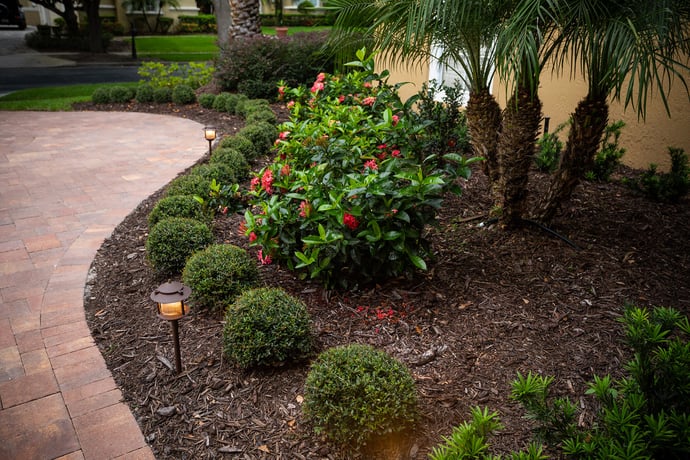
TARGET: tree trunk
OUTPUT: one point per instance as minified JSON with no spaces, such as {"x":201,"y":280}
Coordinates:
{"x":223,"y":20}
{"x":484,"y":126}
{"x":92,"y":13}
{"x":70,"y":17}
{"x":521,"y":120}
{"x":246,"y":21}
{"x":588,"y":124}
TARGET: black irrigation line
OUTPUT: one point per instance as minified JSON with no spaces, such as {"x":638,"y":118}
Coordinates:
{"x":493,"y":220}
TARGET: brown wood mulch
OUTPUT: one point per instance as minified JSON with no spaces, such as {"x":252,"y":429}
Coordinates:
{"x":493,"y":303}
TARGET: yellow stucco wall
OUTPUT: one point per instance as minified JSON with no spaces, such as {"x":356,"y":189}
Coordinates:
{"x":645,"y":141}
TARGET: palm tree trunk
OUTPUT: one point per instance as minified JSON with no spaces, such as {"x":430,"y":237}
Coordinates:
{"x":484,"y":125}
{"x":588,"y":125}
{"x":521,"y":119}
{"x":245,"y":18}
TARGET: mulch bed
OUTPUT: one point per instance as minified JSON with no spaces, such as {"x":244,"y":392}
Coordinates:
{"x":493,"y":303}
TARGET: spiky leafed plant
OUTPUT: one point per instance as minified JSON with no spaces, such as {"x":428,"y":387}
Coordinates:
{"x":625,"y":49}
{"x":246,"y":21}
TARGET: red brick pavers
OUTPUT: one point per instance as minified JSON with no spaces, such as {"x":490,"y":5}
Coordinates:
{"x":66,"y":180}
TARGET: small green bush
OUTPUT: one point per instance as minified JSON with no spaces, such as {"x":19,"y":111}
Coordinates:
{"x":609,"y":155}
{"x":101,"y":96}
{"x":171,"y":241}
{"x":643,"y":415}
{"x":144,"y":93}
{"x":189,"y":184}
{"x":176,"y":206}
{"x":183,"y":95}
{"x":257,"y":116}
{"x":355,"y":393}
{"x":237,"y":106}
{"x":666,"y":187}
{"x":218,"y":274}
{"x":225,"y":102}
{"x":266,"y":326}
{"x":121,"y":94}
{"x":262,"y":135}
{"x":233,"y":160}
{"x":242,"y":144}
{"x":162,"y":95}
{"x":206,"y":100}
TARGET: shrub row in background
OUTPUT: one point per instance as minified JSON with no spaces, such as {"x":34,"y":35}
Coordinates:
{"x":199,"y":24}
{"x":255,"y":66}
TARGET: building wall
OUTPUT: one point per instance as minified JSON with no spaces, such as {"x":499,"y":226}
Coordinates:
{"x":646,"y":141}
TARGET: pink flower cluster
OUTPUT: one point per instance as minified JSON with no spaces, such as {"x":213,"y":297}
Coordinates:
{"x":264,"y":259}
{"x":304,"y":209}
{"x":318,"y":84}
{"x":371,"y":165}
{"x":267,"y":181}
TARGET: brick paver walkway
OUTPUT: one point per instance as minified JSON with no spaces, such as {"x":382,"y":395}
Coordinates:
{"x":66,"y":180}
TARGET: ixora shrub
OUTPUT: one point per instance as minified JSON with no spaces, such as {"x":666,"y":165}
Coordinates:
{"x":176,"y":206}
{"x":218,"y":274}
{"x":355,"y":393}
{"x":352,"y":188}
{"x":266,"y":326}
{"x":171,"y":241}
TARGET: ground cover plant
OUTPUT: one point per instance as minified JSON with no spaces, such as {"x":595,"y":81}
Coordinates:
{"x":491,"y":303}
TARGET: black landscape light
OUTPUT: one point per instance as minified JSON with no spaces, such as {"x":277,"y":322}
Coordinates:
{"x":170,"y":302}
{"x":210,"y":135}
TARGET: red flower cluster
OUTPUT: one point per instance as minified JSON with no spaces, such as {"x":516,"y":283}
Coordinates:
{"x":318,"y":84}
{"x":369,"y":100}
{"x":304,"y":209}
{"x":265,"y":260}
{"x":350,"y":221}
{"x":371,"y":164}
{"x":267,"y":181}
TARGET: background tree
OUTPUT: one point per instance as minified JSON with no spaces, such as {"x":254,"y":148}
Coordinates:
{"x":625,"y":50}
{"x":67,"y":10}
{"x":146,"y":6}
{"x":223,"y":20}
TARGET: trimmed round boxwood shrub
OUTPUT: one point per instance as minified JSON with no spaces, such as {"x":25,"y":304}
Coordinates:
{"x":354,"y":394}
{"x":221,"y":102}
{"x":176,"y":206}
{"x":101,"y":96}
{"x":171,"y":241}
{"x":189,"y":184}
{"x":261,"y":134}
{"x":183,"y":95}
{"x":162,"y":95}
{"x":242,"y":144}
{"x":232,"y":159}
{"x":218,"y":274}
{"x":266,"y":326}
{"x":198,"y":180}
{"x":206,"y":100}
{"x":121,"y":94}
{"x":144,"y":93}
{"x":264,"y":114}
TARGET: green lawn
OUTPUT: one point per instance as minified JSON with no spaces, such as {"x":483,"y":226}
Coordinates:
{"x":54,"y":98}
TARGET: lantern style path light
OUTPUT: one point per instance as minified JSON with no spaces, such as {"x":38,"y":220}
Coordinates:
{"x":210,"y":135}
{"x":170,"y":301}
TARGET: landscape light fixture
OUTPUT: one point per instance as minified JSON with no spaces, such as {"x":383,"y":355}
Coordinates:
{"x":210,"y":135}
{"x":170,"y":300}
